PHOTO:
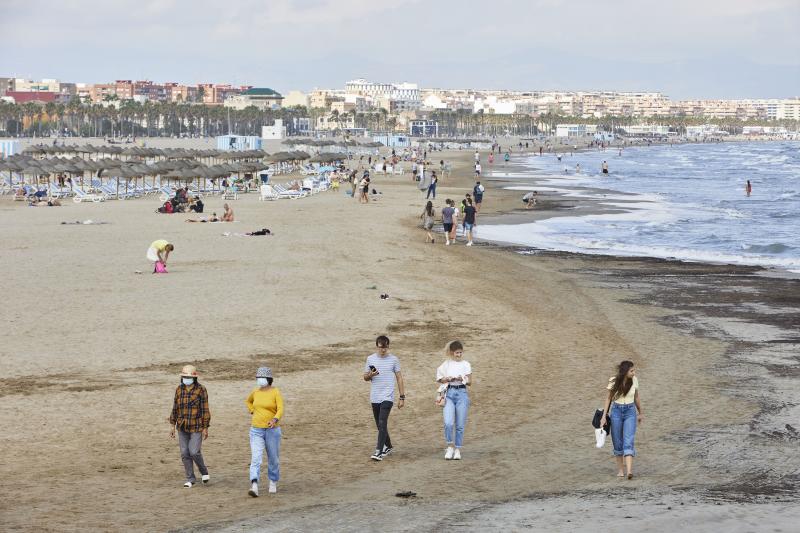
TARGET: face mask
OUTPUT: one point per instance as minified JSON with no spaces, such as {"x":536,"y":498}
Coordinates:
{"x":262,"y":382}
{"x":187,"y":381}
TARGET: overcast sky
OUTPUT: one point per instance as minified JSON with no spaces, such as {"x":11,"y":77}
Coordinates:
{"x":683,"y":48}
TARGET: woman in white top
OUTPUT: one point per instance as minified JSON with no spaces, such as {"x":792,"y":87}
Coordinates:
{"x":457,"y":375}
{"x":623,"y":402}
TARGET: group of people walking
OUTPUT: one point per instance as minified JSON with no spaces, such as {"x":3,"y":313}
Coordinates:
{"x":190,"y":416}
{"x":450,"y":215}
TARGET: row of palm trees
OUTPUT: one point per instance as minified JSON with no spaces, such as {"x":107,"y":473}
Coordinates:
{"x":131,"y":118}
{"x":152,"y":119}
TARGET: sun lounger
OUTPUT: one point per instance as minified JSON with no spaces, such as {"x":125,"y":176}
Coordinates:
{"x":81,"y":196}
{"x":231,"y":193}
{"x":283,"y":192}
{"x":266,"y":192}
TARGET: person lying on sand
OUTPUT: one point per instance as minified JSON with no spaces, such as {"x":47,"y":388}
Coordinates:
{"x":84,"y":223}
{"x":213,"y":218}
{"x":52,"y":202}
{"x":262,"y":231}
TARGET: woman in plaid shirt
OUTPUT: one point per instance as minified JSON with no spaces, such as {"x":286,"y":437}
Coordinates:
{"x":191,"y":415}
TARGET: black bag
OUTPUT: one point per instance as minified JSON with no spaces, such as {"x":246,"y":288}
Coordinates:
{"x":596,"y":421}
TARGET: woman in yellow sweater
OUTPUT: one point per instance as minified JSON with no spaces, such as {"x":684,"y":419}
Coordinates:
{"x":266,"y":405}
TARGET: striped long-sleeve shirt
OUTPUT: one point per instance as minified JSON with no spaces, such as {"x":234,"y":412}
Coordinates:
{"x":190,"y":410}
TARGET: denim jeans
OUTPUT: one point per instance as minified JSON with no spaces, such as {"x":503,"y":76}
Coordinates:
{"x":269,"y":439}
{"x":623,"y":428}
{"x":431,"y":190}
{"x":190,"y":444}
{"x":380,"y":411}
{"x":455,"y":415}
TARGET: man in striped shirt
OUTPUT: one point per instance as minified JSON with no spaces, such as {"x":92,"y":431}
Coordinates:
{"x":381,"y":370}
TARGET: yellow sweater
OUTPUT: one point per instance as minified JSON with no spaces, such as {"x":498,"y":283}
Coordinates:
{"x":265,"y":405}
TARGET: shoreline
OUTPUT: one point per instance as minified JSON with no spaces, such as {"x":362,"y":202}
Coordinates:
{"x":558,"y":200}
{"x":303,"y":302}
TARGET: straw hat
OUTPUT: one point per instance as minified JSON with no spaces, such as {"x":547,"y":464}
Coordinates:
{"x":264,"y":372}
{"x":188,"y":371}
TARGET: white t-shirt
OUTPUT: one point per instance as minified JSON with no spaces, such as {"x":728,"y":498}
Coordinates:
{"x":454,"y":369}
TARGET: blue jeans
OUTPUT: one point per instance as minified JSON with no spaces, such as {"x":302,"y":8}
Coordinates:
{"x":623,"y":428}
{"x":270,"y":440}
{"x":455,"y":415}
{"x":431,"y":190}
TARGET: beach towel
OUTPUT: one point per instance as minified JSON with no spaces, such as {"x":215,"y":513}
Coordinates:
{"x":160,"y":268}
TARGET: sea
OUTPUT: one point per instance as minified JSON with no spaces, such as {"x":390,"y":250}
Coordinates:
{"x":682,"y":201}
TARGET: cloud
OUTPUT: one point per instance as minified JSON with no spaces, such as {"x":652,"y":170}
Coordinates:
{"x":291,"y":44}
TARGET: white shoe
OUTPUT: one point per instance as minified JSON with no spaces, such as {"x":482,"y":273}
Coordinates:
{"x":188,"y":484}
{"x":469,"y":243}
{"x":253,"y":490}
{"x":449,"y":453}
{"x":447,"y":243}
{"x":457,"y":455}
{"x":206,"y":477}
{"x":377,"y":456}
{"x":273,"y":487}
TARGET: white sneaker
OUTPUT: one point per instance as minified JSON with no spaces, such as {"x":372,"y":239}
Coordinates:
{"x":457,"y":455}
{"x":206,"y":477}
{"x":273,"y":487}
{"x":469,"y":243}
{"x":377,"y":456}
{"x":449,"y":453}
{"x":188,"y":484}
{"x":253,"y":490}
{"x":447,"y":243}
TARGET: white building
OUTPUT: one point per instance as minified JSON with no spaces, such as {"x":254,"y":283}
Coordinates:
{"x":571,"y":130}
{"x":262,"y":98}
{"x":706,"y":130}
{"x":276,"y":131}
{"x":295,"y":98}
{"x":647,"y":130}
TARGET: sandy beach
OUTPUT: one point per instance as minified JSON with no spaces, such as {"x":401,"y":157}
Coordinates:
{"x":92,"y":349}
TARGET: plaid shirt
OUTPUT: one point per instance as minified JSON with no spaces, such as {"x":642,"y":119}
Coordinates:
{"x":190,"y":408}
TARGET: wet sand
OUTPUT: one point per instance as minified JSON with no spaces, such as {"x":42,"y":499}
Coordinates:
{"x":92,"y":350}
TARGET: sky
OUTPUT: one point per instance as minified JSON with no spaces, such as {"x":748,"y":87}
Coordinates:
{"x":685,"y":49}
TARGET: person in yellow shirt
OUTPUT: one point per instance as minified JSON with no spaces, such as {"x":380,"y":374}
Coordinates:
{"x":159,"y":252}
{"x":266,"y":405}
{"x":624,"y":408}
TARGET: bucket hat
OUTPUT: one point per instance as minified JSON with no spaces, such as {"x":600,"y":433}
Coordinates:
{"x":188,"y":371}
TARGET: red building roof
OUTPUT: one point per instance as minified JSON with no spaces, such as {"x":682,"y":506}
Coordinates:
{"x":21,"y":97}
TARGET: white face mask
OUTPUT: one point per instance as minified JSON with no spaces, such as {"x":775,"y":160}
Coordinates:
{"x":262,"y":382}
{"x":187,"y":381}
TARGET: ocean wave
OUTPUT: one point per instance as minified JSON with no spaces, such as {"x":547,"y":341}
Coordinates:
{"x":774,"y":248}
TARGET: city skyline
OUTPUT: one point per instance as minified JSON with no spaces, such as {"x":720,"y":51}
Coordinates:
{"x":718,"y":51}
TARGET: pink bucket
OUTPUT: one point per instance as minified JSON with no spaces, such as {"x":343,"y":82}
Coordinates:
{"x":160,"y":268}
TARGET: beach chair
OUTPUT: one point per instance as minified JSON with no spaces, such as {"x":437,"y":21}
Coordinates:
{"x":58,"y":192}
{"x":283,"y":192}
{"x":311,"y":185}
{"x":267,"y":193}
{"x":231,"y":193}
{"x":81,"y":196}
